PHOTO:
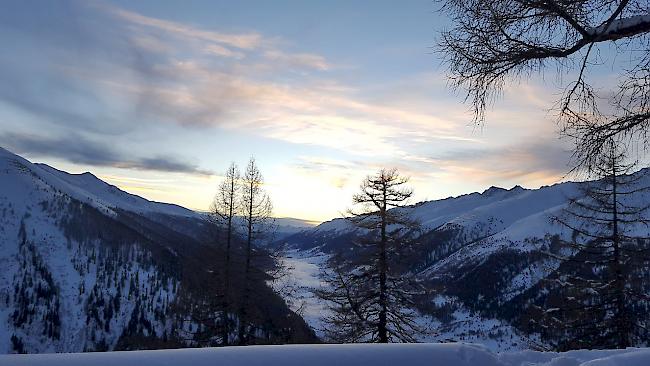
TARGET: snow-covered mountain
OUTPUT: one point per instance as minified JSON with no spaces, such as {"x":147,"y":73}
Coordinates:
{"x":287,"y":226}
{"x":86,"y":266}
{"x":483,"y":253}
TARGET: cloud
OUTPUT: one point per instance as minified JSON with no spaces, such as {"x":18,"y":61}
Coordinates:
{"x":157,"y":71}
{"x":337,"y":173}
{"x":109,"y":71}
{"x":298,"y":59}
{"x":162,"y":164}
{"x":66,"y":72}
{"x":318,"y":112}
{"x":79,"y":150}
{"x":242,"y":40}
{"x":534,"y":162}
{"x":218,"y":50}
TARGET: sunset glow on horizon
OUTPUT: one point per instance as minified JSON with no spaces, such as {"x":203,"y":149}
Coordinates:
{"x":158,"y":98}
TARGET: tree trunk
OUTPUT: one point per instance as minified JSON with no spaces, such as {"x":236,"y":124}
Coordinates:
{"x":226,"y":278}
{"x":382,"y":328}
{"x":621,"y":316}
{"x":243,"y":339}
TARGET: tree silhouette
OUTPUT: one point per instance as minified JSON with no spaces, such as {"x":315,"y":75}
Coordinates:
{"x":602,"y":302}
{"x":223,"y":211}
{"x":256,"y":209}
{"x":492,"y":43}
{"x":370,"y":297}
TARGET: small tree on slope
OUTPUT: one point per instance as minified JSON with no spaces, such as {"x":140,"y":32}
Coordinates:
{"x":371,"y":299}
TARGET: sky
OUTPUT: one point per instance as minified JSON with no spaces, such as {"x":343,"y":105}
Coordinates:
{"x":159,"y":97}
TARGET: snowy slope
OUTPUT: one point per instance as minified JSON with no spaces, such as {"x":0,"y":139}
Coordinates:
{"x":483,"y":214}
{"x":481,"y":223}
{"x":50,"y":282}
{"x":296,"y":288}
{"x":462,"y":325}
{"x":86,"y":266}
{"x":483,"y":252}
{"x":341,"y":355}
{"x":88,"y":188}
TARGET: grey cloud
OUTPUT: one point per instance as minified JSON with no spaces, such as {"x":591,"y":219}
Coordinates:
{"x":50,"y":48}
{"x":163,"y":164}
{"x":79,"y":150}
{"x":59,"y":58}
{"x":91,"y":66}
{"x":549,"y":155}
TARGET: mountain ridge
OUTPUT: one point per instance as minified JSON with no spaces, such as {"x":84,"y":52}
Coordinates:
{"x":89,"y":267}
{"x":484,"y":253}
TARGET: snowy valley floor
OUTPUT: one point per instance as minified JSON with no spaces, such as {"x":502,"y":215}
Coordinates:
{"x":450,"y":354}
{"x":304,"y":268}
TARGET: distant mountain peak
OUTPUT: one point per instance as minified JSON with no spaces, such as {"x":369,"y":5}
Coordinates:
{"x":493,"y":190}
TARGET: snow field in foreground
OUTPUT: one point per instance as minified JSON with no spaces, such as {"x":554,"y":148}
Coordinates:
{"x":450,"y":354}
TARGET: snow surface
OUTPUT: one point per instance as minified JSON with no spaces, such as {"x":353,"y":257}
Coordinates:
{"x":24,"y":187}
{"x":481,"y":226}
{"x":296,"y":288}
{"x":449,"y":354}
{"x":83,"y":187}
{"x":89,"y":188}
{"x":303,"y":277}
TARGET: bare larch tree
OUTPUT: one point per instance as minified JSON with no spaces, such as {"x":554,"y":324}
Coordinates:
{"x":492,"y":43}
{"x":256,"y":209}
{"x":370,"y":297}
{"x":210,"y":322}
{"x":224,"y":209}
{"x":603,"y":302}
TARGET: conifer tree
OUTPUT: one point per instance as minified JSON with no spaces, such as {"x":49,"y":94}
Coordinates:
{"x":224,"y":210}
{"x":602,"y":301}
{"x":370,"y":297}
{"x":256,"y":209}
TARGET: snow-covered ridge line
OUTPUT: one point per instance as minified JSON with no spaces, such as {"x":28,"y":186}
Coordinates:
{"x":91,"y":184}
{"x":493,"y":203}
{"x":500,"y":207}
{"x":91,"y":190}
{"x":451,"y":354}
